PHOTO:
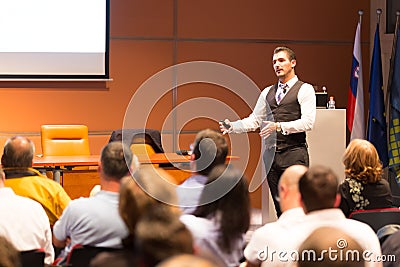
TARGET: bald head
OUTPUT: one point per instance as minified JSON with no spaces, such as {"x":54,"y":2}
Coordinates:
{"x":18,"y":152}
{"x":291,"y":176}
{"x":289,"y":195}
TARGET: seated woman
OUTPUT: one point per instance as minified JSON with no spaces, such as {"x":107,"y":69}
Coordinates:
{"x":219,"y":223}
{"x":364,"y":187}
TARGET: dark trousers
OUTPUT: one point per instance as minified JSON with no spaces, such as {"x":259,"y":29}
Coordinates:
{"x":282,"y":160}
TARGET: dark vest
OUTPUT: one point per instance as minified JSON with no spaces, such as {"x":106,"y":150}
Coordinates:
{"x":287,"y":110}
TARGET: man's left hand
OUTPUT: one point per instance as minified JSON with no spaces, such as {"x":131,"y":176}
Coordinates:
{"x":268,"y":127}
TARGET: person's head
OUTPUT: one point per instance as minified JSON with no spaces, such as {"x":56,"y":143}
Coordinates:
{"x":187,"y":260}
{"x":115,"y":161}
{"x":233,"y":223}
{"x":18,"y":153}
{"x":361,"y":161}
{"x":9,"y":255}
{"x":319,"y":189}
{"x":284,"y":62}
{"x":314,"y":250}
{"x":289,"y":195}
{"x":209,"y":149}
{"x":142,"y":193}
{"x":160,"y":234}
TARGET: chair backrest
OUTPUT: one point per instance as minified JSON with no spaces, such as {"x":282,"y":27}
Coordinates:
{"x":32,"y":258}
{"x":80,"y":256}
{"x":384,"y":232}
{"x":142,"y":149}
{"x":139,"y":136}
{"x":377,"y":218}
{"x":65,"y":140}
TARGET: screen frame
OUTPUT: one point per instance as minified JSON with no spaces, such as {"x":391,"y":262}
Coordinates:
{"x":71,"y":77}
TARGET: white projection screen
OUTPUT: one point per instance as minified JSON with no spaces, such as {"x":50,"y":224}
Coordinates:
{"x":54,"y":39}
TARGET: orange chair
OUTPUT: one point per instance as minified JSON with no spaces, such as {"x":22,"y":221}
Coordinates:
{"x":65,"y":140}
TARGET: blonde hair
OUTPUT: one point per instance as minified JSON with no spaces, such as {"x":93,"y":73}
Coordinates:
{"x":361,"y":161}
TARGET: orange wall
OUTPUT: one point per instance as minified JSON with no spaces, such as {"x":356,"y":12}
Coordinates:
{"x":149,"y":36}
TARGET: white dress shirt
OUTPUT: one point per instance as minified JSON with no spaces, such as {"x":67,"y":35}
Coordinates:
{"x":306,"y":99}
{"x":25,"y":223}
{"x":272,"y":238}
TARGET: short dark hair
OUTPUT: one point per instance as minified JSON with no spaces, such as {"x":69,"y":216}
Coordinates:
{"x":318,"y":188}
{"x":290,"y":52}
{"x":210,"y":149}
{"x":116,"y":159}
{"x":18,"y":152}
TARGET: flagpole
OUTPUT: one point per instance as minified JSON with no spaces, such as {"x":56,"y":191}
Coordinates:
{"x":378,"y":12}
{"x":360,"y":13}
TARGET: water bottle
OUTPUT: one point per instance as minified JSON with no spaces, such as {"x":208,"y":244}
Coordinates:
{"x":331,"y":103}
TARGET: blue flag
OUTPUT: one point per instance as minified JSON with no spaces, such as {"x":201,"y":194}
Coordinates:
{"x":394,"y":115}
{"x":377,"y":133}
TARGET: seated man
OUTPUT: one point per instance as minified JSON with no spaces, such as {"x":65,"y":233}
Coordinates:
{"x":210,"y":149}
{"x":95,"y":221}
{"x":27,"y":182}
{"x":276,"y":235}
{"x":320,"y":199}
{"x":24,"y":222}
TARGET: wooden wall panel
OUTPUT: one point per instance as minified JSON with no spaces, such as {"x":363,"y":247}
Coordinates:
{"x":259,"y":19}
{"x":149,"y":36}
{"x":132,"y":18}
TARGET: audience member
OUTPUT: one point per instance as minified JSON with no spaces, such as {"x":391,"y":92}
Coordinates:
{"x":330,"y":247}
{"x":391,"y":250}
{"x":364,"y":187}
{"x":219,"y":227}
{"x":95,"y":221}
{"x":160,"y":234}
{"x":276,"y":235}
{"x":24,"y":222}
{"x":187,"y":260}
{"x":9,"y":255}
{"x":133,"y":203}
{"x":319,"y":197}
{"x":209,"y":150}
{"x":27,"y":182}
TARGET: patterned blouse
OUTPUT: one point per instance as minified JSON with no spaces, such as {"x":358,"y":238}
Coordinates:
{"x":356,"y":195}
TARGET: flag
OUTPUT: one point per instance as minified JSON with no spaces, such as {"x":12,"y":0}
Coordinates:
{"x":377,"y":133}
{"x":355,"y":102}
{"x":394,"y":112}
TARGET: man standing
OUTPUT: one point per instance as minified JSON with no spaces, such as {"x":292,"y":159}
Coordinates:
{"x":286,"y":108}
{"x":27,"y":182}
{"x":95,"y":221}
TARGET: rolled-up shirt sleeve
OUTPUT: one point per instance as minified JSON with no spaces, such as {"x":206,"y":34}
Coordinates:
{"x":254,"y":120}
